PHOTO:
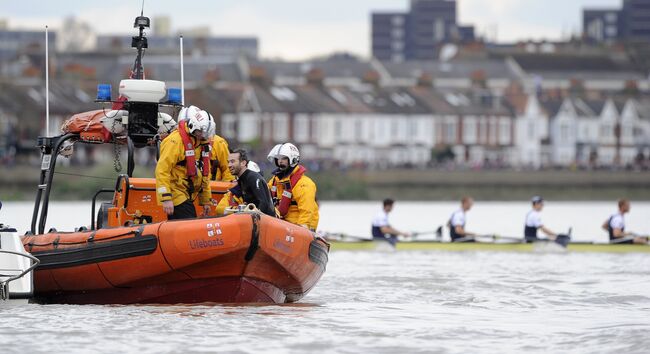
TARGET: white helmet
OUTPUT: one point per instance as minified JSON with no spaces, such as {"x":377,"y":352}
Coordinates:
{"x":253,"y":166}
{"x":287,"y":150}
{"x":167,"y":123}
{"x":197,"y":120}
{"x":273,"y":153}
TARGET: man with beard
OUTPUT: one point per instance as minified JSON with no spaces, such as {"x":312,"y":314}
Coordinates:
{"x":294,"y":194}
{"x":253,"y":187}
{"x":234,"y":198}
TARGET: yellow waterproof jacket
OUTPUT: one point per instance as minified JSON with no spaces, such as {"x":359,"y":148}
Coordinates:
{"x":171,"y":178}
{"x":219,"y":160}
{"x":303,"y":209}
{"x":225,"y":202}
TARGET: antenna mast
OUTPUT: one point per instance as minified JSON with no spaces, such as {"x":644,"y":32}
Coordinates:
{"x":47,"y":85}
{"x":140,"y":43}
{"x":182,"y":74}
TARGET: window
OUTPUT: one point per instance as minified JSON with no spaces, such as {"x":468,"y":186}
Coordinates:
{"x":283,"y":93}
{"x":606,"y":131}
{"x":564,"y":133}
{"x":338,"y":129}
{"x":531,"y":130}
{"x":469,"y":131}
{"x":413,"y":128}
{"x":504,"y":131}
{"x":611,"y":31}
{"x":450,"y":130}
{"x":229,"y":126}
{"x":398,"y":58}
{"x":280,"y":128}
{"x":301,"y":129}
{"x":358,"y":128}
{"x":439,"y":30}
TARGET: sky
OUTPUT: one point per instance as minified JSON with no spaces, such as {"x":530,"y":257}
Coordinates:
{"x":301,"y":29}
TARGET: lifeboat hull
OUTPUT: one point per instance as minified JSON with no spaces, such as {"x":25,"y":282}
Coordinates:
{"x":240,"y":258}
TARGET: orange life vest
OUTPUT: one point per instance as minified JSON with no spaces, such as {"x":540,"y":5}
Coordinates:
{"x":190,"y":159}
{"x":285,"y":201}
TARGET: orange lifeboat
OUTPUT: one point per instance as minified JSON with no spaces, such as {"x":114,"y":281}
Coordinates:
{"x":131,"y":253}
{"x":137,"y":256}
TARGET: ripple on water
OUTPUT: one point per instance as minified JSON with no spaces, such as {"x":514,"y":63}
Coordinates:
{"x":381,"y":303}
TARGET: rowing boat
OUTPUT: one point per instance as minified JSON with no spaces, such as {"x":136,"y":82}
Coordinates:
{"x":432,"y":245}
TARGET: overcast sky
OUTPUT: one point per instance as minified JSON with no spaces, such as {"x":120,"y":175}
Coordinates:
{"x":298,"y":29}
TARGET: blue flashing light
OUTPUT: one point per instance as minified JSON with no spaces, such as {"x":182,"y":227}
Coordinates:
{"x":104,"y":92}
{"x":174,"y":95}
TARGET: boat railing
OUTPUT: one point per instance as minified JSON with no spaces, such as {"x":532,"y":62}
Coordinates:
{"x":4,"y":284}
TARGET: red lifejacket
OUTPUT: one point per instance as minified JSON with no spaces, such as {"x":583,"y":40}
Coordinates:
{"x":287,"y":196}
{"x":190,"y":159}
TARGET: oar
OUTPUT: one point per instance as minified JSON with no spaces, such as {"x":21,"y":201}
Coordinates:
{"x":500,"y":237}
{"x":342,"y":236}
{"x":437,"y":232}
{"x":631,"y":237}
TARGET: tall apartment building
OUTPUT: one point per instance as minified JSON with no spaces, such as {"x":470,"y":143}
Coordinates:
{"x":631,"y":22}
{"x":419,"y":33}
{"x":635,"y":20}
{"x":601,"y":25}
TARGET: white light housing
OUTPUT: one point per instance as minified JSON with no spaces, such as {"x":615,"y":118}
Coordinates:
{"x":143,"y":90}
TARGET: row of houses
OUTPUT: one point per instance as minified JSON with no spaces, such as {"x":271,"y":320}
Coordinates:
{"x":517,"y":110}
{"x":389,"y":126}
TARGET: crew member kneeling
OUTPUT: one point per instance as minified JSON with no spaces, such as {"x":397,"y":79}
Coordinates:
{"x":293,"y":192}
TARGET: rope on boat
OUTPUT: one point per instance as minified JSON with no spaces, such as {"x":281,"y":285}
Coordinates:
{"x":87,"y":176}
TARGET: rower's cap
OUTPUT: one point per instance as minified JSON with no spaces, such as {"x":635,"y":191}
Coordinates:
{"x":537,"y":199}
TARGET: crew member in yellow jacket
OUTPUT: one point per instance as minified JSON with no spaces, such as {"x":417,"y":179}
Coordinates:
{"x":294,"y":194}
{"x":234,"y":198}
{"x":183,"y":169}
{"x":219,"y":159}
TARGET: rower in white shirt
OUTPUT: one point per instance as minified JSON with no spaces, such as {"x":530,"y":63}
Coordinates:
{"x":457,"y":222}
{"x":615,"y":226}
{"x":534,"y":222}
{"x":381,"y":229}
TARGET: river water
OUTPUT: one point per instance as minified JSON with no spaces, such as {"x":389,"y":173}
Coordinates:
{"x":401,"y":302}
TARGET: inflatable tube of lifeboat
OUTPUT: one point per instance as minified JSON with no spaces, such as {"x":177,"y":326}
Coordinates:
{"x":244,"y":257}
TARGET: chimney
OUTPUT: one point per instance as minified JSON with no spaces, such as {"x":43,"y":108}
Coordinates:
{"x":258,"y":75}
{"x":212,"y":75}
{"x":372,"y":77}
{"x":315,"y":77}
{"x":631,"y":88}
{"x":425,"y":80}
{"x":479,"y":78}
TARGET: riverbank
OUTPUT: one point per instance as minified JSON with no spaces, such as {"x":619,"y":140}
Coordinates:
{"x":19,"y":183}
{"x":504,"y":184}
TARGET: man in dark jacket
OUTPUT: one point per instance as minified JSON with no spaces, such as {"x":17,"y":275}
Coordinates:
{"x":253,"y":186}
